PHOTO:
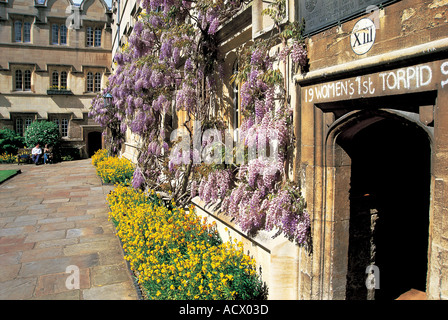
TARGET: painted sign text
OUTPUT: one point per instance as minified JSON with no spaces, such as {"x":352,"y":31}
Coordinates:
{"x":409,"y":79}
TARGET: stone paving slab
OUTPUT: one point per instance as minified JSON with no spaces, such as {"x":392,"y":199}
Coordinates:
{"x":53,"y":217}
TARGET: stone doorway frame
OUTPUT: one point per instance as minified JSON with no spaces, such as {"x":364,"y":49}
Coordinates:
{"x":337,"y":179}
{"x":316,"y":124}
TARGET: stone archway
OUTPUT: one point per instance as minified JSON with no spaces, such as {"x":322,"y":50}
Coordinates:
{"x":385,"y":206}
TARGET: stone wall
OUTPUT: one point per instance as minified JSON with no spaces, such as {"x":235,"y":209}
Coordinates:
{"x":277,"y":259}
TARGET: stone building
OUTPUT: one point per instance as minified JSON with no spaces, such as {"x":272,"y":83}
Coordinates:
{"x":371,"y":149}
{"x":124,"y":15}
{"x":55,"y":58}
{"x":370,"y":121}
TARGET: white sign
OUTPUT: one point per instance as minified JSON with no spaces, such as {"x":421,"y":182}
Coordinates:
{"x":363,"y":36}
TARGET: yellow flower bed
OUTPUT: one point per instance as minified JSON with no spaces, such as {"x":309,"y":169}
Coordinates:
{"x":177,"y":255}
{"x":99,"y":156}
{"x":115,"y":170}
{"x":8,"y":158}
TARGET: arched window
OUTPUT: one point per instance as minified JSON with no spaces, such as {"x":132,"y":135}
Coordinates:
{"x":90,"y":82}
{"x":55,"y":80}
{"x":63,"y":80}
{"x":97,"y":82}
{"x":27,"y":80}
{"x":19,"y":80}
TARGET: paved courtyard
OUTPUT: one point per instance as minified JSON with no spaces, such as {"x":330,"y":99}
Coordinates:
{"x":55,"y":238}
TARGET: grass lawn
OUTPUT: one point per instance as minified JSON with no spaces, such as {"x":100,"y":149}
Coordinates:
{"x":5,"y":174}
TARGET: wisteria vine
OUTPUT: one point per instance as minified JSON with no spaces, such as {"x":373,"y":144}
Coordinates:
{"x":262,"y":197}
{"x":171,"y":65}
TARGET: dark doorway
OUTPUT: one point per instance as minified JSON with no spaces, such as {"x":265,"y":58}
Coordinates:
{"x":94,"y":142}
{"x":389,"y":206}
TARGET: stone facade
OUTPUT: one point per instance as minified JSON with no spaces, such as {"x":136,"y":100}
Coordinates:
{"x":370,"y":118}
{"x":55,"y":58}
{"x":371,"y":155}
{"x":124,"y":15}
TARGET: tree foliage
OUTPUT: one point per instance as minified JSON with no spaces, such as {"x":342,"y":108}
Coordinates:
{"x":10,"y":141}
{"x":42,"y":132}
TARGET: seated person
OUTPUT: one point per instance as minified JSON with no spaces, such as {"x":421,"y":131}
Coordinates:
{"x":48,"y":154}
{"x":35,"y":154}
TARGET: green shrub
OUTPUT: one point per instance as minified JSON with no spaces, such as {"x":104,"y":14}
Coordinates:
{"x":42,"y":132}
{"x":10,"y":141}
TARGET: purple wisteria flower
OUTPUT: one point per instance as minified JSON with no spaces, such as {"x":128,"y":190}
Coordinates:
{"x":149,"y":79}
{"x":213,"y":26}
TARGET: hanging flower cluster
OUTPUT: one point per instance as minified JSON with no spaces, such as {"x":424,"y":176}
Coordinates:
{"x":262,"y":197}
{"x":167,"y":66}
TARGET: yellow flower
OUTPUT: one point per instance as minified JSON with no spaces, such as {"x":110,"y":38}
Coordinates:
{"x":171,"y":248}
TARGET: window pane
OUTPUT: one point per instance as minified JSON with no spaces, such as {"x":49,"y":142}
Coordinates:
{"x":63,"y":34}
{"x":89,"y":37}
{"x":18,"y":31}
{"x":55,"y":34}
{"x":97,"y":82}
{"x":19,"y":80}
{"x":90,"y":82}
{"x":55,"y":79}
{"x":28,"y":121}
{"x":64,"y":127}
{"x":97,"y":37}
{"x":26,"y":32}
{"x":27,"y":80}
{"x":19,"y":126}
{"x":63,"y":80}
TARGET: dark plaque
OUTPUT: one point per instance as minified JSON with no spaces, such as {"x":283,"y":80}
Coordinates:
{"x":321,"y":14}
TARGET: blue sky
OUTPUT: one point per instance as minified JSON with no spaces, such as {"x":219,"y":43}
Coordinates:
{"x":107,"y":1}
